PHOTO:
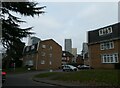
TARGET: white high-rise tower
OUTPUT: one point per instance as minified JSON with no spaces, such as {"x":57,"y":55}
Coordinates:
{"x":68,"y":45}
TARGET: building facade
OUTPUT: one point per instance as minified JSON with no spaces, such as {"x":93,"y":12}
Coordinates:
{"x":68,"y":45}
{"x":74,"y":52}
{"x":44,"y":55}
{"x":79,"y":60}
{"x":104,"y":47}
{"x":85,"y":54}
{"x":66,"y":57}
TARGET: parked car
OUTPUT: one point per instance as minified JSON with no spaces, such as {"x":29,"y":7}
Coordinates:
{"x":3,"y":76}
{"x":62,"y":66}
{"x":69,"y":68}
{"x":84,"y":67}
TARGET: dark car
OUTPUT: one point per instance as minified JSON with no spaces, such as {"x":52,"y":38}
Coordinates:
{"x":84,"y":67}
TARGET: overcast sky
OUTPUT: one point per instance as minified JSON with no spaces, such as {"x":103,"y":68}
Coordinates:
{"x":64,"y":20}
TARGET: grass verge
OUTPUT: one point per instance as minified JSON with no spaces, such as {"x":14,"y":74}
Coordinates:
{"x":100,"y":77}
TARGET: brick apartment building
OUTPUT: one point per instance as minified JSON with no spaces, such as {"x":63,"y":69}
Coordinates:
{"x":79,"y":60}
{"x":104,"y":47}
{"x":67,"y":57}
{"x":43,"y":55}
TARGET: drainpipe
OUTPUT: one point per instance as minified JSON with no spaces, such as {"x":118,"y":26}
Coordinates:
{"x":36,"y":62}
{"x":84,"y":58}
{"x":37,"y":56}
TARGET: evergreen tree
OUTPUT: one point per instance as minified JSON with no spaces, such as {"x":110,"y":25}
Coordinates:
{"x":12,"y":33}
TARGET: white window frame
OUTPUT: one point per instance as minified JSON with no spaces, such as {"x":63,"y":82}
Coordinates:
{"x":64,"y":54}
{"x":50,"y":62}
{"x":43,"y":53}
{"x":102,"y":46}
{"x":105,"y":31}
{"x":111,"y":45}
{"x":110,"y":58}
{"x":43,"y":46}
{"x":107,"y":45}
{"x":100,"y":32}
{"x":33,"y":47}
{"x":116,"y":57}
{"x":109,"y":30}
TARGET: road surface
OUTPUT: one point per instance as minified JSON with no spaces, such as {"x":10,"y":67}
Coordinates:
{"x":24,"y":79}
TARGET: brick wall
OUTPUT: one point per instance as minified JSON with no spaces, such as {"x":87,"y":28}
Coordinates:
{"x":56,"y":52}
{"x":95,"y":52}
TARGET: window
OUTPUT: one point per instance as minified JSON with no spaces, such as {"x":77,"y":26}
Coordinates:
{"x":27,"y":49}
{"x":50,"y":55}
{"x":50,"y":47}
{"x":33,"y":47}
{"x":68,"y":58}
{"x":100,"y":32}
{"x":64,"y":54}
{"x":110,"y":58}
{"x":106,"y":45}
{"x":105,"y":58}
{"x":102,"y":46}
{"x":43,"y":53}
{"x":43,"y":46}
{"x":105,"y":31}
{"x":115,"y":57}
{"x":50,"y":62}
{"x":109,"y":30}
{"x":29,"y":63}
{"x":111,"y":45}
{"x":42,"y":62}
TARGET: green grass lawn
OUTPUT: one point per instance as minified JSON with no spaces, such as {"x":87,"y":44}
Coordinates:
{"x":108,"y":77}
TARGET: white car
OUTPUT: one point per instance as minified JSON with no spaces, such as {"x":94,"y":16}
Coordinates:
{"x":69,"y":68}
{"x":84,"y":67}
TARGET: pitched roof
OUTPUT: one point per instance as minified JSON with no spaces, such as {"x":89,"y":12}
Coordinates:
{"x":30,"y":49}
{"x":67,"y":54}
{"x":51,"y":40}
